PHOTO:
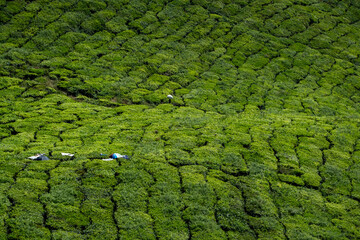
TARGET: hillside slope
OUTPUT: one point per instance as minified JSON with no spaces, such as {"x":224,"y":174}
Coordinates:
{"x":261,"y":140}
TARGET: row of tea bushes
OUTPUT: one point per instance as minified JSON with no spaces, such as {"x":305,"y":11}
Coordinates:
{"x":230,"y":211}
{"x":26,"y":214}
{"x":98,"y":183}
{"x":9,"y":171}
{"x":165,"y":202}
{"x":199,"y":200}
{"x":131,"y":197}
{"x":64,"y":200}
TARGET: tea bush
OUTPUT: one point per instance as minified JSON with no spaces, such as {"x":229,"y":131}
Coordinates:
{"x":260,"y":139}
{"x":198,"y":197}
{"x":98,"y":205}
{"x":65,"y":217}
{"x":26,"y":220}
{"x":165,"y":204}
{"x":229,"y":198}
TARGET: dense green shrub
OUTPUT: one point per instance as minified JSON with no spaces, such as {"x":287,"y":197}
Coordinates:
{"x":26,"y":220}
{"x":165,"y":204}
{"x":60,"y":234}
{"x":229,"y":207}
{"x":33,"y":174}
{"x":198,"y":197}
{"x":65,"y":217}
{"x":69,"y":194}
{"x":134,"y":224}
{"x":259,"y":141}
{"x":336,"y":180}
{"x":27,"y":189}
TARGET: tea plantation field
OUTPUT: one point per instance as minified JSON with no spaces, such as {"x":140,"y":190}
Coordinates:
{"x":261,"y":139}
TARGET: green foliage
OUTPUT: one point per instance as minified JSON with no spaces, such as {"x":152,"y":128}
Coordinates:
{"x":26,"y":220}
{"x":60,"y":234}
{"x":259,"y":141}
{"x":65,"y":217}
{"x":63,"y":193}
{"x":291,"y":179}
{"x":98,"y":205}
{"x":229,"y":207}
{"x":336,"y":180}
{"x":27,"y":189}
{"x":198,"y":198}
{"x":133,"y":224}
